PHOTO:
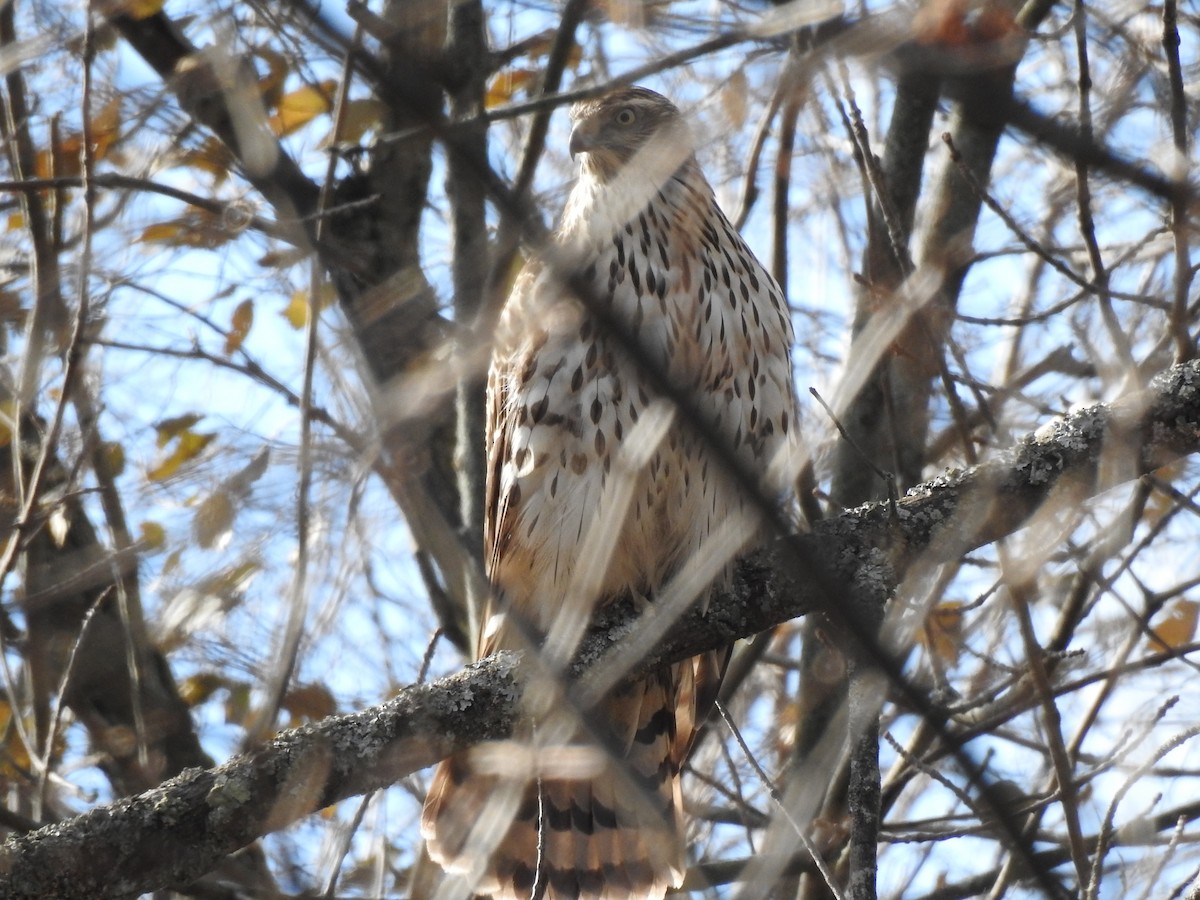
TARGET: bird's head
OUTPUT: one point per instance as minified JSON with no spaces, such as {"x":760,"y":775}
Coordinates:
{"x":609,"y":130}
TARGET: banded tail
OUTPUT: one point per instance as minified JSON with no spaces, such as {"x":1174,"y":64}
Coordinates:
{"x":612,"y":836}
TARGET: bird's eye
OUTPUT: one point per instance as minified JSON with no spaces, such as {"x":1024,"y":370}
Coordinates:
{"x":626,"y":116}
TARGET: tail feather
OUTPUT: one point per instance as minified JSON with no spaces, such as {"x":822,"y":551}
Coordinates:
{"x":611,"y":836}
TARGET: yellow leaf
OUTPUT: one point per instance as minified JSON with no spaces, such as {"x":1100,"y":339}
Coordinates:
{"x":296,"y":312}
{"x":160,"y":233}
{"x":239,"y":327}
{"x":1178,"y":626}
{"x":153,"y":536}
{"x":299,"y":107}
{"x":141,"y":9}
{"x":8,"y":422}
{"x":504,"y":84}
{"x":189,"y":445}
{"x":196,"y":228}
{"x":14,"y":755}
{"x":110,"y":460}
{"x":195,"y":689}
{"x":174,"y":426}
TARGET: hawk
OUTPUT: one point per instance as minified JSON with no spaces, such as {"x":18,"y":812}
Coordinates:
{"x":600,"y":487}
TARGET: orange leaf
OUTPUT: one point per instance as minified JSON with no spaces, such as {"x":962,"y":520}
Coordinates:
{"x":211,"y":156}
{"x":239,"y":327}
{"x":943,"y":631}
{"x":160,"y":233}
{"x":504,"y":84}
{"x":311,"y":702}
{"x":106,"y":126}
{"x":197,"y":228}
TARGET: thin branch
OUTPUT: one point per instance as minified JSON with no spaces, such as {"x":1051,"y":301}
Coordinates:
{"x":1180,"y":212}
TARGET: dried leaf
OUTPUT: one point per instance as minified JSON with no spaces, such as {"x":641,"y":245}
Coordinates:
{"x":8,"y":422}
{"x":270,"y":86}
{"x":197,"y":228}
{"x":110,"y":460}
{"x":173,"y":427}
{"x":299,"y":107}
{"x":358,"y":117}
{"x":281,"y":259}
{"x":237,"y":704}
{"x":213,"y":522}
{"x":310,"y":702}
{"x":505,"y":84}
{"x":734,"y":96}
{"x":1177,"y":626}
{"x":153,"y":537}
{"x":211,"y":156}
{"x":239,"y":327}
{"x":189,"y":445}
{"x":14,"y":755}
{"x":64,"y":158}
{"x":943,"y":631}
{"x":238,"y":484}
{"x":160,"y":233}
{"x":139,"y":9}
{"x":195,"y":689}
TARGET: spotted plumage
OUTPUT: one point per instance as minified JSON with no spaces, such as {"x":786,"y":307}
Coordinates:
{"x":599,"y":488}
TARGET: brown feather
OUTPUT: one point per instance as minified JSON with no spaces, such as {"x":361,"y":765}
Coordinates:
{"x":576,"y":437}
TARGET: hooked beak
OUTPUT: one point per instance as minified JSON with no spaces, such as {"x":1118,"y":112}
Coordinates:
{"x":583,"y":139}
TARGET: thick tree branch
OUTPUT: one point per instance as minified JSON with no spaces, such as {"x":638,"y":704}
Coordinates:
{"x":181,"y":829}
